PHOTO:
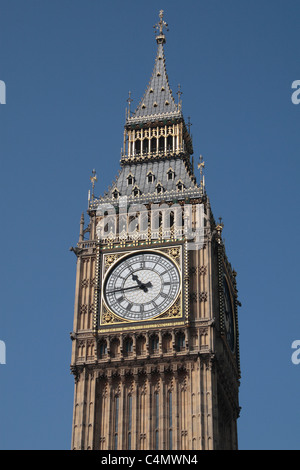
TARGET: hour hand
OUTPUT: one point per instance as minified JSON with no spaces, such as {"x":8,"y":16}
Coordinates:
{"x":135,"y":278}
{"x":145,"y":286}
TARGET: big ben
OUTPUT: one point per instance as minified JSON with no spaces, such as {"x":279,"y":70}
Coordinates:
{"x":155,"y":343}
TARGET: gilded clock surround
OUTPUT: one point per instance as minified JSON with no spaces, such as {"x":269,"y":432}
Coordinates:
{"x":108,"y":317}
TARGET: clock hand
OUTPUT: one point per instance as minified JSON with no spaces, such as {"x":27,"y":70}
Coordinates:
{"x":148,"y":284}
{"x":135,"y":278}
{"x":123,"y":288}
{"x":145,"y":286}
{"x":139,"y":286}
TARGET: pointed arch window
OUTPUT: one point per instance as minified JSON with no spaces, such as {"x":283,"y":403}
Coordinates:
{"x":130,"y":179}
{"x":169,"y":138}
{"x":170,"y":174}
{"x":137,"y":147}
{"x":159,"y":188}
{"x":129,"y":345}
{"x":145,"y":145}
{"x":153,"y":144}
{"x":161,"y":144}
{"x":136,"y":191}
{"x":103,"y":349}
{"x":180,"y":341}
{"x":180,"y":185}
{"x":150,"y":177}
{"x":154,"y":343}
{"x":116,"y":193}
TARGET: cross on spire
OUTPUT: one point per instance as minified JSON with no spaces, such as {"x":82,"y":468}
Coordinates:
{"x":159,"y":28}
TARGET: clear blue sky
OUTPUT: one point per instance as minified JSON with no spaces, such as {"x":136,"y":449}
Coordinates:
{"x":68,"y":66}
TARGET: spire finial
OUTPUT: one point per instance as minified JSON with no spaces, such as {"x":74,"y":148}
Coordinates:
{"x":159,"y":29}
{"x":129,"y":101}
{"x":93,"y":179}
{"x":179,"y":93}
{"x":201,"y":166}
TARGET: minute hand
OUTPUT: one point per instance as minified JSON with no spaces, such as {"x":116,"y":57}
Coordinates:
{"x":124,"y":288}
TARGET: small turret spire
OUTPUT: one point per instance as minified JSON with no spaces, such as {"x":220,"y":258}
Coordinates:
{"x":81,"y":227}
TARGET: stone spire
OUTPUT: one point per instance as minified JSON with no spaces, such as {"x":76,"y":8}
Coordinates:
{"x":158,"y":98}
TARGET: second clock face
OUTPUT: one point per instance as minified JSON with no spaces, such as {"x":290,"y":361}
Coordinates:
{"x":142,"y":286}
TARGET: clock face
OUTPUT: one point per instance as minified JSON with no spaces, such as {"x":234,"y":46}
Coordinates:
{"x":228,"y":315}
{"x":142,"y":286}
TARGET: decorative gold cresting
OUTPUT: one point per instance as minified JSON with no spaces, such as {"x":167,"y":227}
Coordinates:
{"x":159,"y":28}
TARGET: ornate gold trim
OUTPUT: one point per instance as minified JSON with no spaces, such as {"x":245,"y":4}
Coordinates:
{"x":142,"y":327}
{"x":108,"y":317}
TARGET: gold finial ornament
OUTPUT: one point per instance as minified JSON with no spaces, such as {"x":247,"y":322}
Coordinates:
{"x":179,"y":93}
{"x":159,"y":28}
{"x":219,"y":229}
{"x":93,"y":179}
{"x":201,"y":166}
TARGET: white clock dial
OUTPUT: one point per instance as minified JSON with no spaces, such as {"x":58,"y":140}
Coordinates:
{"x":142,"y":286}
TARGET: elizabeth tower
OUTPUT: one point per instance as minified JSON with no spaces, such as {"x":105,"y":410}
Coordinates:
{"x":155,"y":351}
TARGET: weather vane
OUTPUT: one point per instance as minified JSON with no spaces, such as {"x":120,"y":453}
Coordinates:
{"x":161,"y":24}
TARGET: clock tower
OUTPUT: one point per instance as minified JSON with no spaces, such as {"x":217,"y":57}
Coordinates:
{"x":155,"y":351}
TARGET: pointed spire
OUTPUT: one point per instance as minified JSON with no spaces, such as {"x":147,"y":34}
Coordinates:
{"x":158,"y":98}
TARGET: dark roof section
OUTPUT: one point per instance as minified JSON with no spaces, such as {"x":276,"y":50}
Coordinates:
{"x":158,"y":99}
{"x":159,"y":170}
